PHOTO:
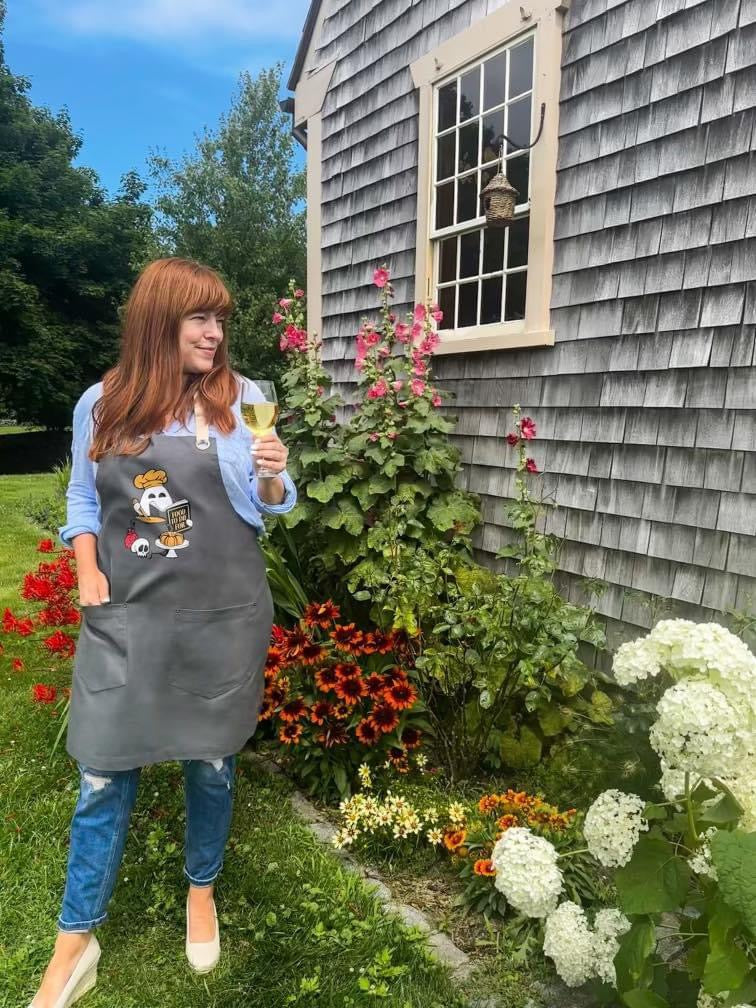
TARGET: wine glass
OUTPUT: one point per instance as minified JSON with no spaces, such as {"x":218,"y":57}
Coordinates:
{"x":259,"y":409}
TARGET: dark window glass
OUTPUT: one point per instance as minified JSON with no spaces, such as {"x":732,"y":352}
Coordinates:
{"x":518,"y":124}
{"x":521,"y":68}
{"x":467,"y":202}
{"x":469,"y":254}
{"x":493,"y":128}
{"x":490,"y":301}
{"x":485,"y":177}
{"x":517,"y":170}
{"x":469,"y":95}
{"x":468,"y":304}
{"x":515,"y":303}
{"x":448,"y":265}
{"x":468,"y":146}
{"x":494,"y":81}
{"x":447,"y":106}
{"x":446,"y":153}
{"x":447,"y":299}
{"x":517,"y":253}
{"x":493,"y":249}
{"x":445,"y":205}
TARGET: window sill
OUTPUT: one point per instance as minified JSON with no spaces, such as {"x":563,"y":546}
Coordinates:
{"x":508,"y":336}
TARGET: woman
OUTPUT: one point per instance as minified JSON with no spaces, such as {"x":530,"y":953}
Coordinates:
{"x":164,"y":514}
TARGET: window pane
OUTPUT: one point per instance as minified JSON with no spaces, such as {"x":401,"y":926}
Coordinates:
{"x":445,"y":159}
{"x":493,"y":127}
{"x":445,"y":205}
{"x":447,"y":106}
{"x":515,"y":304}
{"x":517,"y":253}
{"x":447,"y":299}
{"x":485,"y":177}
{"x":469,"y":96}
{"x":518,"y":124}
{"x":490,"y":301}
{"x":447,"y":269}
{"x":517,"y":173}
{"x":494,"y":81}
{"x":493,"y":249}
{"x":469,"y":254}
{"x":521,"y":68}
{"x":468,"y":304}
{"x":467,"y":202}
{"x":468,"y":146}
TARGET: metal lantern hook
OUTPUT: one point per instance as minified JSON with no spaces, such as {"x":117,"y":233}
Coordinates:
{"x":525,"y":146}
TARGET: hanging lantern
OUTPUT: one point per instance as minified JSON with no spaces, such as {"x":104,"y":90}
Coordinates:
{"x":499,"y":198}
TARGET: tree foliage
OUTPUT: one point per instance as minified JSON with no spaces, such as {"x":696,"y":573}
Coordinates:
{"x":68,"y":255}
{"x":236,"y":204}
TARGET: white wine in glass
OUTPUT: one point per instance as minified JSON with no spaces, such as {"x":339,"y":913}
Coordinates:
{"x":259,"y":409}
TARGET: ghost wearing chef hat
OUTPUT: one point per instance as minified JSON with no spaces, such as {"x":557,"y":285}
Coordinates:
{"x":155,"y":497}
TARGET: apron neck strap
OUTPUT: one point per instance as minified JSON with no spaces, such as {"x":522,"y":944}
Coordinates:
{"x":202,"y":433}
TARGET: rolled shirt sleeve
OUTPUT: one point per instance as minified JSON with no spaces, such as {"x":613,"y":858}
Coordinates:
{"x":286,"y":504}
{"x":82,"y":504}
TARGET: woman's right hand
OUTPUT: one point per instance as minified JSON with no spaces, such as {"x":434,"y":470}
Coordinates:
{"x":93,"y":588}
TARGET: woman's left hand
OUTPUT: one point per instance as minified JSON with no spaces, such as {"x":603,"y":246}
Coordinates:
{"x":270,"y":452}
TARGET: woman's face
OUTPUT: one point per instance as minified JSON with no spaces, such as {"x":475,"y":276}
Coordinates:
{"x":199,"y":337}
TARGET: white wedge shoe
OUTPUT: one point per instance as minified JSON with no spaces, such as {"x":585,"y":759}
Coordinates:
{"x":203,"y":956}
{"x":83,"y":978}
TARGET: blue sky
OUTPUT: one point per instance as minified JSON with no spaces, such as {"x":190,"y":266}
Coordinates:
{"x":138,"y":75}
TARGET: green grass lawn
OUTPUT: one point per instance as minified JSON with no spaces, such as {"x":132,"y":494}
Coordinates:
{"x":297,"y":929}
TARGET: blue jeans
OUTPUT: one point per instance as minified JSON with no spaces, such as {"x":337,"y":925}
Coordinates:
{"x":101,"y":822}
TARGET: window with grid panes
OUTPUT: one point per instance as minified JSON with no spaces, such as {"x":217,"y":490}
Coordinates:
{"x":481,"y":273}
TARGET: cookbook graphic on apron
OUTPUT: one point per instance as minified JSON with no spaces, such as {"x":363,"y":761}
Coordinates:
{"x":173,"y":666}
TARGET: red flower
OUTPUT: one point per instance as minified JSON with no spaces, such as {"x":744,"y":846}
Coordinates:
{"x":24,"y":627}
{"x":531,"y":466}
{"x":347,"y":638}
{"x":367,"y":732}
{"x":513,"y":439}
{"x":527,"y":428}
{"x":9,"y":621}
{"x":350,"y":690}
{"x":44,"y":694}
{"x":347,"y":670}
{"x":375,"y":685}
{"x":384,"y":717}
{"x":411,"y":737}
{"x":294,"y":710}
{"x":18,"y":665}
{"x":381,"y":277}
{"x":400,"y":695}
{"x":319,"y":711}
{"x":46,"y":546}
{"x":321,"y":614}
{"x":60,"y":643}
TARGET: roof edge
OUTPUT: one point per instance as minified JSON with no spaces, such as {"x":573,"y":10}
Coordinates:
{"x":304,"y":44}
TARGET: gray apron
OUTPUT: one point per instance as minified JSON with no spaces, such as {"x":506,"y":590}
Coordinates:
{"x":173,"y":666}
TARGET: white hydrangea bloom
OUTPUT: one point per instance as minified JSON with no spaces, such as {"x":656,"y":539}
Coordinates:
{"x":636,"y":660}
{"x":527,"y":872}
{"x":743,"y":787}
{"x":612,"y":827}
{"x":700,"y":861}
{"x":706,"y":1001}
{"x":567,"y":940}
{"x":698,"y":730}
{"x":672,"y":782}
{"x":608,"y":926}
{"x":579,"y":954}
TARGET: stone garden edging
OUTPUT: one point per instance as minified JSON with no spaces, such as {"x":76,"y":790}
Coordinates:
{"x":440,"y":943}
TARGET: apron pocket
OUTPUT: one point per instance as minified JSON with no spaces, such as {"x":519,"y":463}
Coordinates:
{"x":213,"y":649}
{"x":102,"y":651}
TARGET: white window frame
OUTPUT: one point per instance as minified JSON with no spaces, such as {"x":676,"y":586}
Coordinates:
{"x":543,"y":20}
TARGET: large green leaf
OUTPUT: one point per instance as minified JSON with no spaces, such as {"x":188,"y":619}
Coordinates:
{"x":734,"y":857}
{"x":644,"y":999}
{"x":726,"y":965}
{"x":633,"y":963}
{"x":655,"y":880}
{"x":344,"y":515}
{"x":323,"y":490}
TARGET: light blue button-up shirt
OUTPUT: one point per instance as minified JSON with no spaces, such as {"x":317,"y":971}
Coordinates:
{"x":234,"y":457}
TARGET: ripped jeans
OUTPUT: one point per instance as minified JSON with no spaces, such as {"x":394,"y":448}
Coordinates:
{"x":101,"y":822}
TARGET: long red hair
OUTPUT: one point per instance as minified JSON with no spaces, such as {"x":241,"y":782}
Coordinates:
{"x":148,"y":384}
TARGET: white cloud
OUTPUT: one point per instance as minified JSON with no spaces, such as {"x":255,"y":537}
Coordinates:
{"x":182,"y":20}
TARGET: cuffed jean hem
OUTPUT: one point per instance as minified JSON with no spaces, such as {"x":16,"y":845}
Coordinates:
{"x":200,"y":883}
{"x":80,"y":927}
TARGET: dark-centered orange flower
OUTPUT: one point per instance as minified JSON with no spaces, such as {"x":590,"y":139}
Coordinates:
{"x":347,"y":638}
{"x":290,"y":733}
{"x":332,"y":734}
{"x":375,"y":686}
{"x":411,"y":737}
{"x":367,"y":733}
{"x":384,"y":718}
{"x":454,"y":838}
{"x":319,"y":711}
{"x":326,"y":678}
{"x":350,"y":690}
{"x":485,"y":867}
{"x":321,"y":614}
{"x":294,"y":710}
{"x":400,"y":695}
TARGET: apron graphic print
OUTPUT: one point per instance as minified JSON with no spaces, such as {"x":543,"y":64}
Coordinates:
{"x":157,"y":507}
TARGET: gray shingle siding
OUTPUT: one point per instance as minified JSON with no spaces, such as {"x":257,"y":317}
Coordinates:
{"x":646,"y":405}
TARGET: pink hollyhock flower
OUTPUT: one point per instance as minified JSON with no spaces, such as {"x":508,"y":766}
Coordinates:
{"x":299,"y":293}
{"x":417,"y":386}
{"x":513,"y":439}
{"x":403,"y":403}
{"x":392,"y":317}
{"x":397,"y":384}
{"x":402,"y":332}
{"x":417,"y":330}
{"x":527,"y":428}
{"x":436,"y":400}
{"x":286,"y":302}
{"x":420,"y":313}
{"x":320,"y":390}
{"x":381,"y":277}
{"x":277,"y":317}
{"x":392,"y":434}
{"x":531,"y":466}
{"x":430,"y":343}
{"x":437,"y":314}
{"x":378,"y":390}
{"x":419,"y":369}
{"x":384,"y":351}
{"x":374,"y":436}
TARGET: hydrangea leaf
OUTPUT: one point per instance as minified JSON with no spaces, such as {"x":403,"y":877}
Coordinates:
{"x":734,"y":857}
{"x":655,"y":880}
{"x":726,"y":965}
{"x":633,"y":961}
{"x":644,"y":999}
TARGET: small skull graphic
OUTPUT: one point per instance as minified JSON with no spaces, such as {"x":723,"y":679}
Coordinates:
{"x":141,"y":547}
